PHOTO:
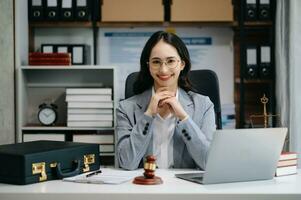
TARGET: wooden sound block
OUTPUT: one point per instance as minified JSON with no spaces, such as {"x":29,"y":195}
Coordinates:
{"x":141,"y":180}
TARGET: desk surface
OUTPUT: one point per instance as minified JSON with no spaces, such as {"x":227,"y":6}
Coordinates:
{"x":287,"y":187}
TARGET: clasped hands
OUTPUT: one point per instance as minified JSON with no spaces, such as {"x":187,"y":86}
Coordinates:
{"x":165,"y":100}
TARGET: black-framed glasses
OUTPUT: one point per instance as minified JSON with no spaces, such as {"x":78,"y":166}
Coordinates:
{"x":156,"y":63}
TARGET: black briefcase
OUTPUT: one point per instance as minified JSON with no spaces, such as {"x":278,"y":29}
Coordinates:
{"x":33,"y":162}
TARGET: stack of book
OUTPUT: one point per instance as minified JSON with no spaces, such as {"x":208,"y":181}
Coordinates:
{"x":287,"y":164}
{"x":89,"y":107}
{"x":37,"y":58}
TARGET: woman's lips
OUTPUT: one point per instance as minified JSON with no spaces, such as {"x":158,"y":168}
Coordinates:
{"x":164,"y":77}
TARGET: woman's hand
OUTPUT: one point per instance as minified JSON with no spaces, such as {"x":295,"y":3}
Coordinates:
{"x":175,"y":107}
{"x":157,"y":99}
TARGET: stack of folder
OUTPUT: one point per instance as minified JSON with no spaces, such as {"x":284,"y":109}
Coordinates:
{"x":38,"y":58}
{"x":287,"y":164}
{"x":89,"y":107}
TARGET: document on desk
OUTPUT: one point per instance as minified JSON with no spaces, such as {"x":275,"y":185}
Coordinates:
{"x":107,"y":176}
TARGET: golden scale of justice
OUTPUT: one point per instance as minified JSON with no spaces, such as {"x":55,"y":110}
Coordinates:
{"x":264,"y":100}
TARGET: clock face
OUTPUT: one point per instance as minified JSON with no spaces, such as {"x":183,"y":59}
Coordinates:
{"x":47,"y":116}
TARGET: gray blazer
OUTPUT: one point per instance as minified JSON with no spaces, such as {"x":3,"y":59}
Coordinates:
{"x":192,"y":137}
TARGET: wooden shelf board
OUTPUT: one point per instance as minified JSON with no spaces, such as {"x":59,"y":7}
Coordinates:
{"x":61,"y":127}
{"x":58,"y":24}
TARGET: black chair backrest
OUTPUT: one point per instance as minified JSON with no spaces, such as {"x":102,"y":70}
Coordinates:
{"x":203,"y":81}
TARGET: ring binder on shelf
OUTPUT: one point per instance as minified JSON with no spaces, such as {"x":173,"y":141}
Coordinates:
{"x":265,"y":69}
{"x":66,"y":10}
{"x":250,"y":10}
{"x":35,"y":10}
{"x":264,"y":10}
{"x":52,"y":10}
{"x":82,"y":10}
{"x":251,"y":69}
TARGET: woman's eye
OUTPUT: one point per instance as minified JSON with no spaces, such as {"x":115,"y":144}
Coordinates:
{"x":156,"y":62}
{"x":171,"y":61}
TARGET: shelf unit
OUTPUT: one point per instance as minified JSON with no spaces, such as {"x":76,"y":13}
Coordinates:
{"x":38,"y":84}
{"x":249,"y":91}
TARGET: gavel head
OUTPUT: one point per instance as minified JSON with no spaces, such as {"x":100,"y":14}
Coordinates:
{"x":149,"y":167}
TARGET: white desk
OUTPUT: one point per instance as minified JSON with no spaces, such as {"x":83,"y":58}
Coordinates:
{"x":288,"y":188}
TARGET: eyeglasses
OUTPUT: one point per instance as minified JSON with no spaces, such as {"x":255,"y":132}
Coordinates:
{"x":171,"y":63}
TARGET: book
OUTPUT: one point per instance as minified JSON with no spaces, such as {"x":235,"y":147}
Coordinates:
{"x":288,"y":170}
{"x":107,"y":139}
{"x":90,"y":117}
{"x":88,"y":91}
{"x":89,"y":123}
{"x":288,"y":155}
{"x":283,"y":163}
{"x":103,"y":104}
{"x":40,"y":54}
{"x":89,"y":111}
{"x":88,"y":97}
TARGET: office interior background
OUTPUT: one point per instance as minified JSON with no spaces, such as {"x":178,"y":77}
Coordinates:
{"x":220,"y":41}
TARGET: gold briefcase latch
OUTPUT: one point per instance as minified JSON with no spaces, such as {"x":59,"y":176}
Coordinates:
{"x":88,"y":160}
{"x":40,"y":168}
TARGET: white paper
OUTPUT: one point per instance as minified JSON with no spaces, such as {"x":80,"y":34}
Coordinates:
{"x":267,"y":2}
{"x":81,"y":3}
{"x":66,"y":3}
{"x":251,"y":1}
{"x":62,"y":49}
{"x":251,"y":56}
{"x":77,"y":53}
{"x":36,"y":3}
{"x":108,"y":176}
{"x":52,"y":3}
{"x":47,"y":49}
{"x":265,"y":54}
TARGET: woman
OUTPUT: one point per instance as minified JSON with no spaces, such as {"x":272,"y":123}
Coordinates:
{"x":165,"y":118}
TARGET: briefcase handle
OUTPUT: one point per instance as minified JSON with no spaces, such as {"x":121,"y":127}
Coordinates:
{"x":61,"y":174}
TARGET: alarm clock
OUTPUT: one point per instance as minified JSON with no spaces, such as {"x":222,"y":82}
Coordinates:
{"x":47,"y":114}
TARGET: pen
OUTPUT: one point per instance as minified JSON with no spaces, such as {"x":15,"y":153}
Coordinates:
{"x":93,"y":173}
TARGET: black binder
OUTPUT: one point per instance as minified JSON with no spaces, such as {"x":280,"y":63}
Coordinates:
{"x":250,"y":10}
{"x":265,"y":66}
{"x":82,"y":10}
{"x":78,"y":54}
{"x":36,"y":10}
{"x":66,"y":10}
{"x":96,"y":10}
{"x":52,"y":10}
{"x":251,"y":66}
{"x":264,"y":10}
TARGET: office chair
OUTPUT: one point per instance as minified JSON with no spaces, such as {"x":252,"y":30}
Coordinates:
{"x":204,"y":82}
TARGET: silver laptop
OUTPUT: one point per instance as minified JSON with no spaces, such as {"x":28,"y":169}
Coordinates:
{"x":241,"y":155}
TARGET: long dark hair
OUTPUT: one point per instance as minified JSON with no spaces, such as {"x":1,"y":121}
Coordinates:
{"x":145,"y":80}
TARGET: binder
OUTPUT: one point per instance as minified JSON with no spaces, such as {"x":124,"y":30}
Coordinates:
{"x":66,"y":10}
{"x":265,"y":67}
{"x":63,"y":48}
{"x":250,"y":10}
{"x":82,"y":10}
{"x":52,"y":10}
{"x":48,"y":48}
{"x":96,"y":10}
{"x":78,"y":54}
{"x":35,"y":10}
{"x":251,"y":69}
{"x":264,"y":10}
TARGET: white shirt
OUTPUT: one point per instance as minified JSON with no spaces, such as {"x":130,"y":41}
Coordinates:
{"x":163,"y":139}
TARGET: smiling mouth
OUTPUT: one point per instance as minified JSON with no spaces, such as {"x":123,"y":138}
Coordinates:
{"x":164,"y":77}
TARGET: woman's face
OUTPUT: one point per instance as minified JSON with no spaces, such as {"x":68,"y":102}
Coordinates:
{"x":165,"y":65}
